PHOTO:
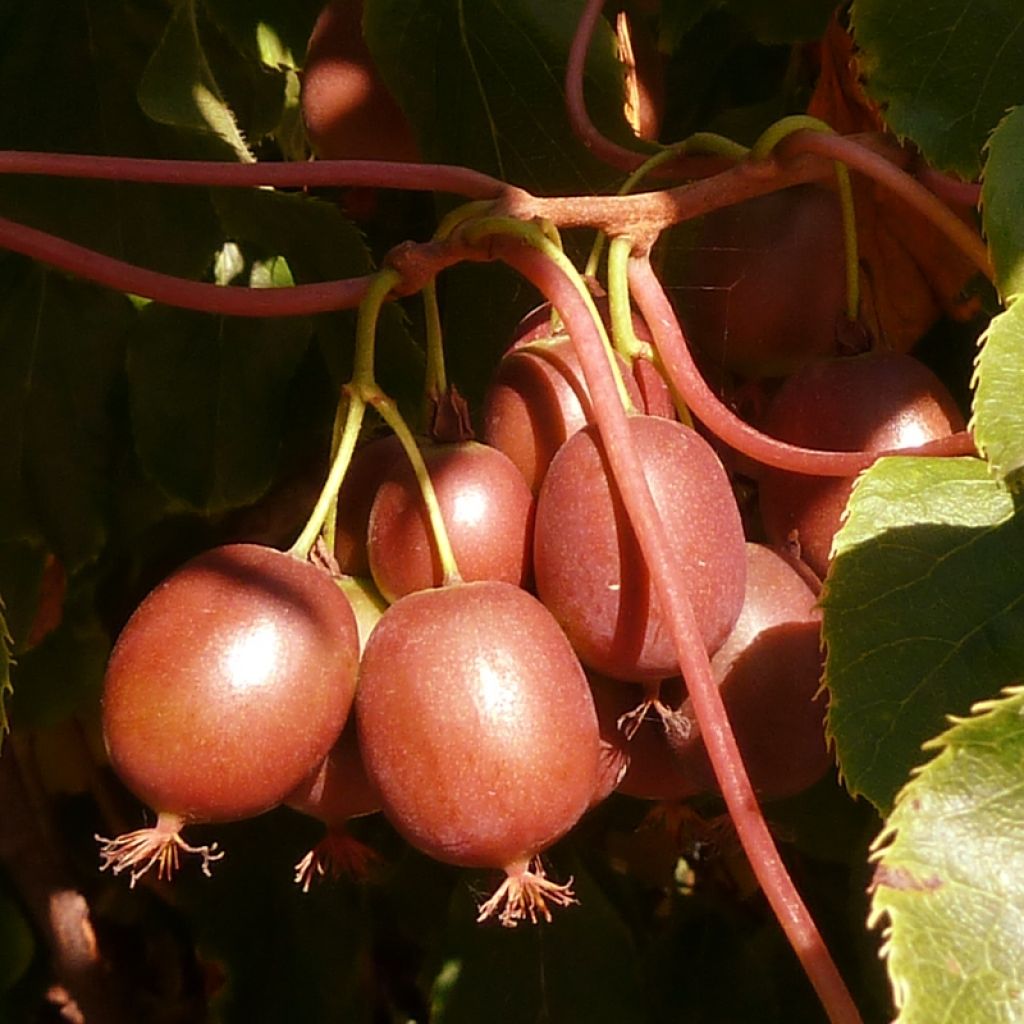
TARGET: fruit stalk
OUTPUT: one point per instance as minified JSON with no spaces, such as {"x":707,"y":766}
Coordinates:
{"x":627,"y":472}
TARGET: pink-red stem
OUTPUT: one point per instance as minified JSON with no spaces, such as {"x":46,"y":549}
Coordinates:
{"x":837,"y":147}
{"x":177,"y":291}
{"x":589,"y":134}
{"x":627,"y":472}
{"x":684,"y":375}
{"x":319,"y":173}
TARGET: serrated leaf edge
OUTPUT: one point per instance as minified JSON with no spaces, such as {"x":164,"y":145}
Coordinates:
{"x":1009,"y":475}
{"x":883,"y":842}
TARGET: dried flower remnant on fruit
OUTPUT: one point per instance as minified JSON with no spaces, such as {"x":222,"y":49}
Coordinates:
{"x":525,"y":894}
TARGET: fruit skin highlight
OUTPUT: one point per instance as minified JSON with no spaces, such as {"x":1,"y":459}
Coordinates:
{"x":226,"y":688}
{"x":478,"y":729}
{"x":349,"y":112}
{"x":878,"y":401}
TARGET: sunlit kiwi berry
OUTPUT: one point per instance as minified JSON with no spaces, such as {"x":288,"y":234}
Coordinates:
{"x":478,"y":728}
{"x":226,"y":688}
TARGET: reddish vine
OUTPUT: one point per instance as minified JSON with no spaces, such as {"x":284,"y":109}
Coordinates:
{"x":801,"y":157}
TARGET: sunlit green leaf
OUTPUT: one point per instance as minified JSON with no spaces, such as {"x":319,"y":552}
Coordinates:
{"x":944,"y":72}
{"x":923,"y":612}
{"x":950,"y":877}
{"x":998,"y":423}
{"x":276,"y":33}
{"x":482,"y":84}
{"x":1002,"y":203}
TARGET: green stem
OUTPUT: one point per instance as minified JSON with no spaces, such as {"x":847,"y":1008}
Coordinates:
{"x":620,"y":311}
{"x":620,"y":307}
{"x":533,"y":236}
{"x":436,"y":376}
{"x":393,"y":418}
{"x":366,"y":326}
{"x":451,"y":220}
{"x":339,"y":466}
{"x":762,"y":149}
{"x":699,"y":142}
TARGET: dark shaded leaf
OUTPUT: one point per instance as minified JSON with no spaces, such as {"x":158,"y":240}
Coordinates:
{"x":64,"y":674}
{"x":578,"y":967}
{"x":68,"y":75}
{"x":61,"y":359}
{"x":208,"y":396}
{"x":482,"y":85}
{"x":945,"y":72}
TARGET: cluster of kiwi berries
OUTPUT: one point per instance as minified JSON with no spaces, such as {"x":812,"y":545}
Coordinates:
{"x":484,"y":712}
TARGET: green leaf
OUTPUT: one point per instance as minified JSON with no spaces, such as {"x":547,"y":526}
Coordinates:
{"x":17,"y":942}
{"x":923,"y":612}
{"x":945,"y":72}
{"x":482,"y":84}
{"x":578,"y":967}
{"x":22,"y":565}
{"x":179,"y":88}
{"x":1002,"y":204}
{"x":313,"y":964}
{"x":61,"y":361}
{"x":208,"y":397}
{"x":321,"y":245}
{"x":949,"y":875}
{"x":998,"y":414}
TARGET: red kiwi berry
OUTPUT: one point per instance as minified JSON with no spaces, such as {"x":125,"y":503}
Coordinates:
{"x":487,"y":510}
{"x":335,"y":793}
{"x":588,"y":566}
{"x":478,"y":728}
{"x":878,"y":401}
{"x":768,"y":671}
{"x":338,"y":790}
{"x":226,"y":688}
{"x":349,"y":112}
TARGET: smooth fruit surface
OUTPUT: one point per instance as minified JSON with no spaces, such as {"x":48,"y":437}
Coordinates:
{"x":588,"y":565}
{"x":476,"y":724}
{"x":768,"y":671}
{"x":487,"y":510}
{"x":765,"y":290}
{"x":230,"y":683}
{"x":537,"y":401}
{"x":873,"y":402}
